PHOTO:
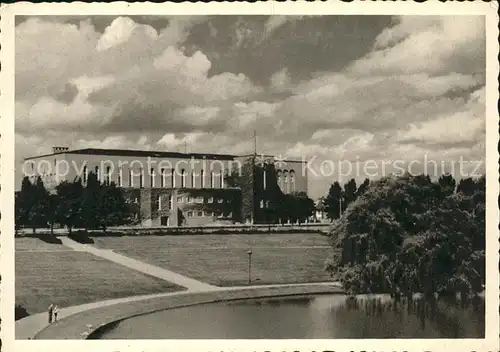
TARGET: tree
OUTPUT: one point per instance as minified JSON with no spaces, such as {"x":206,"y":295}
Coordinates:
{"x":362,"y":187}
{"x":69,"y":204}
{"x":402,"y":237}
{"x":52,"y":211}
{"x":333,"y":200}
{"x":92,"y":212}
{"x":305,"y":206}
{"x":466,"y":186}
{"x":350,"y":189}
{"x":38,"y":214}
{"x":24,"y":201}
{"x":448,"y":184}
{"x":114,"y":209}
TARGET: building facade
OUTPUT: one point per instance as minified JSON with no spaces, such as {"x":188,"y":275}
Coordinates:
{"x":167,"y":188}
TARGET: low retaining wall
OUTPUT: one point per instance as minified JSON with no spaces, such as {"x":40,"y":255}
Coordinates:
{"x":202,"y":230}
{"x":93,"y":323}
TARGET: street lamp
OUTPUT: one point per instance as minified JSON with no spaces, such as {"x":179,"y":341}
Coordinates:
{"x":249,"y":266}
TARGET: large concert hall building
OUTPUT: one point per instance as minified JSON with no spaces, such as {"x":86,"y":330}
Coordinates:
{"x":169,"y":188}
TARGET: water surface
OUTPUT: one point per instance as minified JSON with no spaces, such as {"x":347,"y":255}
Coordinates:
{"x":297,"y":317}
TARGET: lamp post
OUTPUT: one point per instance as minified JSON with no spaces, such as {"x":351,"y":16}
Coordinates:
{"x":249,"y":266}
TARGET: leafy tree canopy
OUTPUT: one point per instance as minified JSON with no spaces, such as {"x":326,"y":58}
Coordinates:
{"x":407,"y":234}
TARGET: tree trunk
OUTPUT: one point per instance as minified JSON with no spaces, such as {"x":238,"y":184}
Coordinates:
{"x":409,"y":302}
{"x":463,"y":299}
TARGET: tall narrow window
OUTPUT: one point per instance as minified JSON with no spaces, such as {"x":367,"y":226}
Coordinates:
{"x":107,"y":177}
{"x":152,"y":177}
{"x":130,"y":178}
{"x":162,"y":179}
{"x":285,"y":180}
{"x":120,"y":178}
{"x":170,"y":201}
{"x":264,"y":181}
{"x":292,"y":180}
{"x":141,"y":178}
{"x":172,"y":178}
{"x":202,"y":178}
{"x":85,"y":174}
{"x":212,"y":179}
{"x":183,"y":178}
{"x":193,"y":182}
{"x":96,"y":169}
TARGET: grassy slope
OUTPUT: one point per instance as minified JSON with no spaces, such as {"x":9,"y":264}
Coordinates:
{"x":223,"y":260}
{"x":69,"y":278}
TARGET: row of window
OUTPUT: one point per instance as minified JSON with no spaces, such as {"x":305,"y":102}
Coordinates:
{"x":264,"y":204}
{"x":190,"y":200}
{"x":201,"y":200}
{"x":216,"y":179}
{"x":285,"y":179}
{"x":202,"y":213}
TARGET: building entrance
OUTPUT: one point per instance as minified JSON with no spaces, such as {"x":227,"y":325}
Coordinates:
{"x":164,"y":221}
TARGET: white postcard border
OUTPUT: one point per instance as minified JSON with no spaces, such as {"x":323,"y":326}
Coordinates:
{"x":490,"y":343}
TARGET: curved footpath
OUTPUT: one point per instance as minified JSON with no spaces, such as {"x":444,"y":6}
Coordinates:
{"x":89,"y":323}
{"x":81,"y":321}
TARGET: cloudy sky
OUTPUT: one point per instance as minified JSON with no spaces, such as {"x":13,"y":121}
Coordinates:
{"x":329,"y":88}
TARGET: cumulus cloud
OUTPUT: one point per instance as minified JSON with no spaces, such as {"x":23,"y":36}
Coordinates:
{"x":435,"y":45}
{"x":418,"y":91}
{"x":276,"y":21}
{"x":281,"y":80}
{"x":121,"y":30}
{"x":128,"y":74}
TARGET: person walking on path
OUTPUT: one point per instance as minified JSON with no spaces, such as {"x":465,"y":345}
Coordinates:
{"x":50,"y":311}
{"x":56,"y":311}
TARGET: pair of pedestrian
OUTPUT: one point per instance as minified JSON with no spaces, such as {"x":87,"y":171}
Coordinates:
{"x":53,"y":312}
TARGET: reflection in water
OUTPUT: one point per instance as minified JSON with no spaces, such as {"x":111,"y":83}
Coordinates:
{"x":319,"y":316}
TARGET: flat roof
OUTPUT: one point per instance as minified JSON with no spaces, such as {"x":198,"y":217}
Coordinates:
{"x":156,"y":154}
{"x":285,"y":159}
{"x":139,"y":153}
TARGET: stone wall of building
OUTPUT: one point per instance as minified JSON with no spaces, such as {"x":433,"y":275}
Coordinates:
{"x":156,"y":197}
{"x":184,"y":207}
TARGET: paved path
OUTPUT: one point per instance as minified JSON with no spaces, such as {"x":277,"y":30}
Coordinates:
{"x":152,"y":270}
{"x":28,"y":327}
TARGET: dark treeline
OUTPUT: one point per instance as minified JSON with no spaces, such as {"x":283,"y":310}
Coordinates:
{"x":338,"y":199}
{"x":72,"y":205}
{"x":408,"y":235}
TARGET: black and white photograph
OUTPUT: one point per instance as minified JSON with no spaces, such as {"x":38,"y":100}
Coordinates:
{"x":254,"y":176}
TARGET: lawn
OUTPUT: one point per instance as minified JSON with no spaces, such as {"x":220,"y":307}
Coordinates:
{"x":222,"y":260}
{"x":36,"y":244}
{"x":69,"y":278}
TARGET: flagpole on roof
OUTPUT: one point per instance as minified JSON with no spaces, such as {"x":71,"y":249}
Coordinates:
{"x":255,"y":142}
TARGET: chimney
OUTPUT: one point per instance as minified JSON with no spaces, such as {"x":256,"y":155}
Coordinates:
{"x":59,"y":149}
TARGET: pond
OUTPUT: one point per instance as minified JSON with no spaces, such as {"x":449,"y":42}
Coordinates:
{"x":301,"y":317}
